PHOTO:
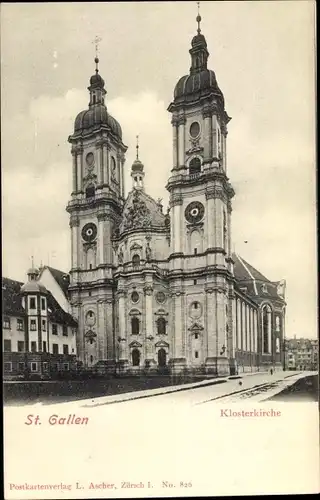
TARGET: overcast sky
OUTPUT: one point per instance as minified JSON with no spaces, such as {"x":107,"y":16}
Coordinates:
{"x":263,"y":56}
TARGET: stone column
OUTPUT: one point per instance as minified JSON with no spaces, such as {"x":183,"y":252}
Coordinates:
{"x":80,"y":167}
{"x":101,"y":331}
{"x":207,"y":125}
{"x":148,"y":291}
{"x":109,"y":342}
{"x":74,"y":171}
{"x":123,"y":339}
{"x":181,"y":140}
{"x":176,"y":202}
{"x":214,"y":137}
{"x":211,"y":330}
{"x":100,"y":248}
{"x":100,"y":173}
{"x":74,"y":226}
{"x":175,"y":142}
{"x":122,"y":175}
{"x":106,"y":163}
{"x":179,"y":361}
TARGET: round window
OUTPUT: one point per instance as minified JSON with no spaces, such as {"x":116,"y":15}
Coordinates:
{"x":90,"y":159}
{"x":135,"y":297}
{"x":194,"y":129}
{"x":161,"y":297}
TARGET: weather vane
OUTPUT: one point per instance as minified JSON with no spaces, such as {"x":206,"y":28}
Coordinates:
{"x":198,"y":18}
{"x":96,"y":41}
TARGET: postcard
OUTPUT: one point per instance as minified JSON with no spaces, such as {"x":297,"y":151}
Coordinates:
{"x":159,"y":281}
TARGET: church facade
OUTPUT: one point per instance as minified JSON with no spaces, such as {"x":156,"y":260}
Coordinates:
{"x":162,"y":291}
{"x":149,"y":290}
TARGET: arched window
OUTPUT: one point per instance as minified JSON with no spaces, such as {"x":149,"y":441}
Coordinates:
{"x":135,"y":357}
{"x":135,"y":326}
{"x":162,"y":357}
{"x":94,"y":99}
{"x":136,"y":260}
{"x":195,"y":166}
{"x":90,"y":191}
{"x":161,"y":326}
{"x":195,"y":243}
{"x":266,"y":329}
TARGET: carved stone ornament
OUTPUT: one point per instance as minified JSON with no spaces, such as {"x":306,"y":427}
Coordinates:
{"x":138,"y":214}
{"x":121,"y":293}
{"x":148,"y":290}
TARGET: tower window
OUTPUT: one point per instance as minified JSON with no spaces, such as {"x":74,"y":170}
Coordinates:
{"x":43,"y":304}
{"x":195,"y":166}
{"x":32,"y":303}
{"x":196,"y":354}
{"x":161,"y":326}
{"x":90,"y":266}
{"x":135,"y":326}
{"x":195,"y":251}
{"x":93,"y":99}
{"x":90,"y":192}
{"x":136,"y":260}
{"x":196,"y":336}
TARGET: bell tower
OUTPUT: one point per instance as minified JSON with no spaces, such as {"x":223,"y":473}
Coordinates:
{"x":98,"y":156}
{"x":201,"y":271}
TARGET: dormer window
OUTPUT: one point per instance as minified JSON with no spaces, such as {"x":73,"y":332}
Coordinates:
{"x":264,"y":288}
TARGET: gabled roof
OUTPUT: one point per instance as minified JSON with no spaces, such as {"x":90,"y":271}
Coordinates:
{"x":62,"y":278}
{"x":252,"y":282}
{"x":12,"y":304}
{"x":141,"y":211}
{"x":245,"y":271}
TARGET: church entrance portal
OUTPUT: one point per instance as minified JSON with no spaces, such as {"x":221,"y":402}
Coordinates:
{"x":162,"y":358}
{"x":135,"y":357}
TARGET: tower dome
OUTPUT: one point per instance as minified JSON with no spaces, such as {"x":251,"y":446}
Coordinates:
{"x":33,"y":285}
{"x":97,"y":115}
{"x":201,"y":81}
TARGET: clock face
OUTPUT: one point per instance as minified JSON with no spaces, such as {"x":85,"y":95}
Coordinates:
{"x":89,"y":232}
{"x":194,"y":212}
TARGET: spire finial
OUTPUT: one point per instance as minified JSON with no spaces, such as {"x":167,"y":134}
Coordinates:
{"x":96,"y":41}
{"x":137,"y":147}
{"x":198,"y":18}
{"x":32,"y":262}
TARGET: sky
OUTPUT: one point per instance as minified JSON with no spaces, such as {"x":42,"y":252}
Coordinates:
{"x":263,"y":56}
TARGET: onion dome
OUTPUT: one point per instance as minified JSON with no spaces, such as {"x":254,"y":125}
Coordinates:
{"x":33,"y":285}
{"x":137,"y":166}
{"x":201,"y":81}
{"x":97,"y":115}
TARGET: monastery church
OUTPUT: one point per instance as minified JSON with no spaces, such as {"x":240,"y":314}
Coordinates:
{"x":149,"y":290}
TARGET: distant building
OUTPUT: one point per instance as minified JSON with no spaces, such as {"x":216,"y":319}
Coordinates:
{"x":39,"y":336}
{"x":302,"y":354}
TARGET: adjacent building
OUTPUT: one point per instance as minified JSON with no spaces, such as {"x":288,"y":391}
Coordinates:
{"x":39,"y":337}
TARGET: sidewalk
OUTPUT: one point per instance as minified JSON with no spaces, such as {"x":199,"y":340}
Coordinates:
{"x":232,"y":381}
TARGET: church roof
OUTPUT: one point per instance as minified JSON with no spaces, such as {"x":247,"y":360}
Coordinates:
{"x":254,"y":283}
{"x":12,"y":304}
{"x":141,"y":211}
{"x":245,"y":271}
{"x":62,"y":278}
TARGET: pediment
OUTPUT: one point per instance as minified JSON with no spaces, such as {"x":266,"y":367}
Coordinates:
{"x":136,"y":246}
{"x":134,"y":312}
{"x":161,"y":343}
{"x":195,"y":327}
{"x":135,"y":344}
{"x":161,"y":312}
{"x":90,"y":334}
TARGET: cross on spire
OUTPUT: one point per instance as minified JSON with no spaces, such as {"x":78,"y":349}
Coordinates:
{"x":198,"y":18}
{"x":137,"y":146}
{"x":96,"y":41}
